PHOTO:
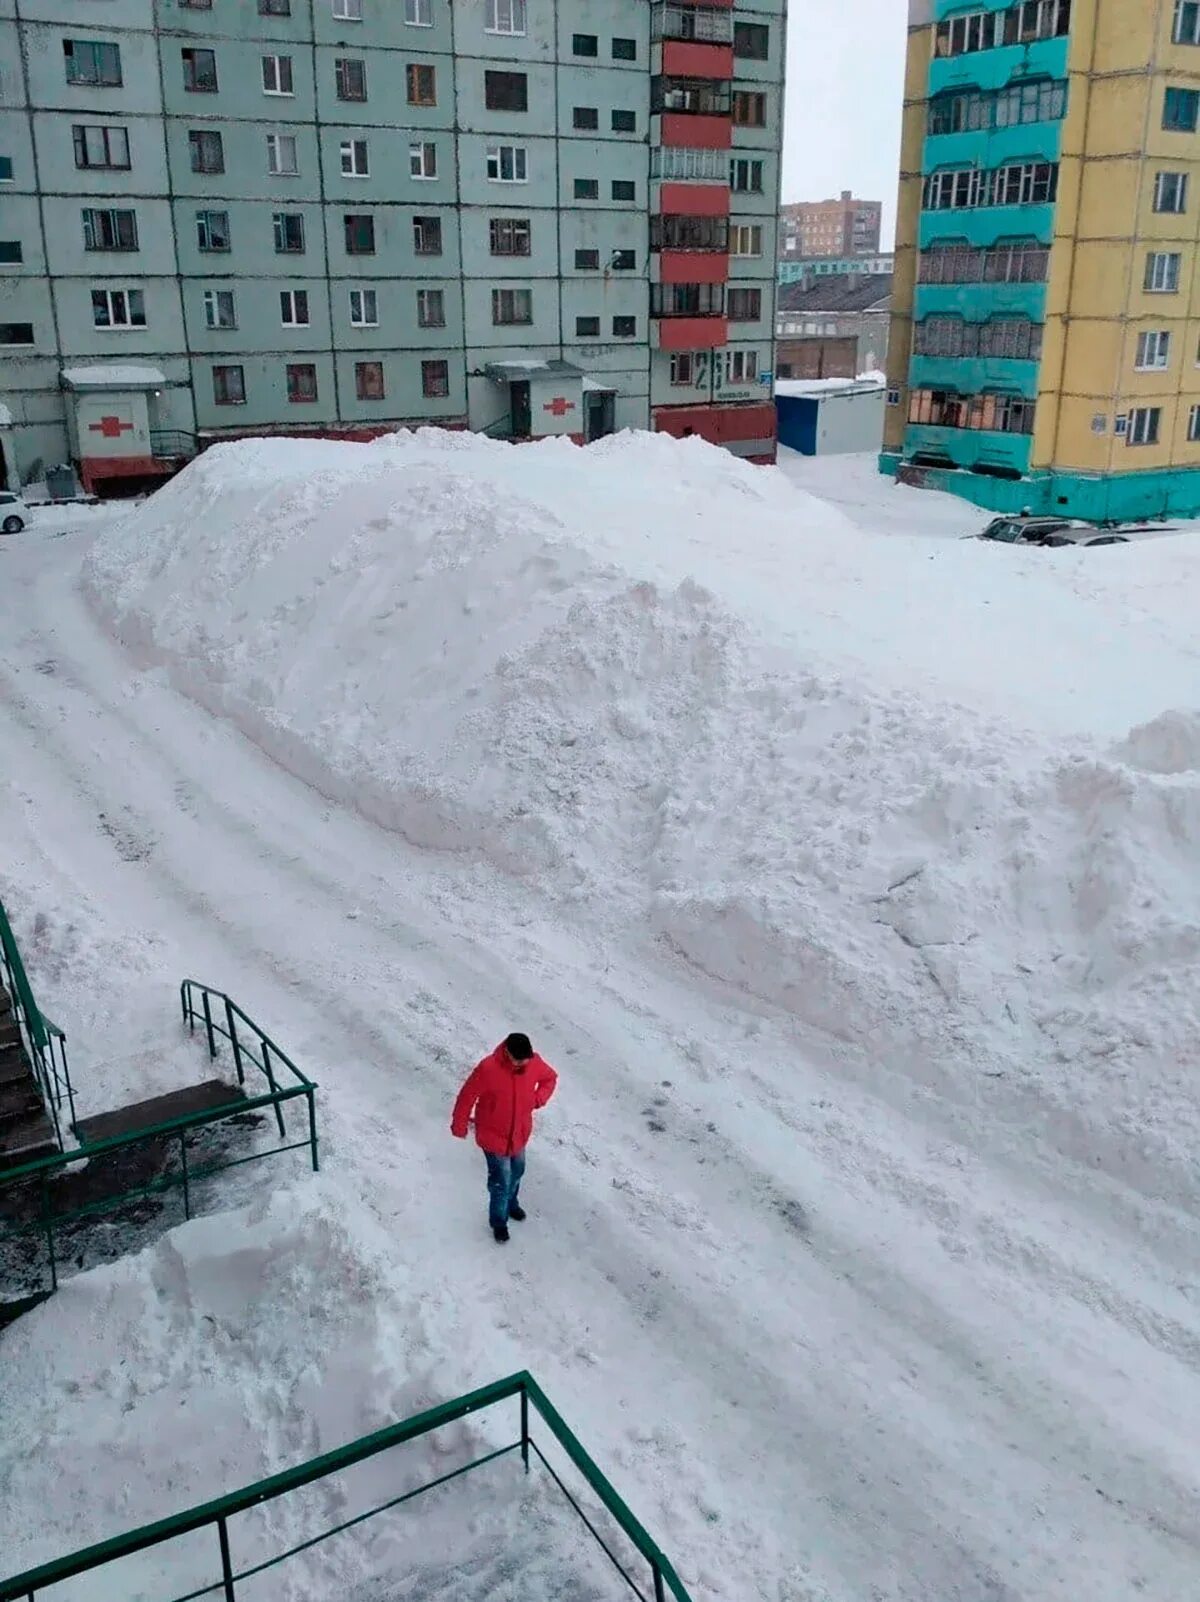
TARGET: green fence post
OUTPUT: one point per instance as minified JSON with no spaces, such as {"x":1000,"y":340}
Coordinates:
{"x":659,"y":1593}
{"x":525,"y":1428}
{"x":212,"y":1044}
{"x":187,"y":1200}
{"x":270,"y":1073}
{"x":226,"y":1566}
{"x":312,"y":1127}
{"x":233,"y":1041}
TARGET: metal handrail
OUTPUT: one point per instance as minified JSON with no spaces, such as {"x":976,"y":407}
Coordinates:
{"x":45,"y":1042}
{"x":24,"y":1587}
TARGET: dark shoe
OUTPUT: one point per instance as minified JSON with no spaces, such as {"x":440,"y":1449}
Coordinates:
{"x":516,"y":1214}
{"x":500,"y":1233}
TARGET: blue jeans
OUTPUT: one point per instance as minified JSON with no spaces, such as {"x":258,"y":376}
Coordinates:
{"x":504,"y":1183}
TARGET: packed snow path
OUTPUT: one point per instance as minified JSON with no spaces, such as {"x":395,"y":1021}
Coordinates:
{"x":843,"y":1330}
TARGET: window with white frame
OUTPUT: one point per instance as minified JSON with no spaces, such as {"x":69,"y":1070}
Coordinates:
{"x":512,"y":306}
{"x":281,"y":155}
{"x":418,"y":13}
{"x":1170,"y":192}
{"x":355,"y":163}
{"x":746,"y":176}
{"x":212,"y":231}
{"x":277,"y":75}
{"x":745,"y":239}
{"x":431,"y":308}
{"x":1142,"y":425}
{"x":507,"y":164}
{"x":1162,"y":272}
{"x":350,"y":77}
{"x":1194,"y":425}
{"x":289,"y":232}
{"x":99,"y":146}
{"x":347,"y":10}
{"x":422,"y":160}
{"x":364,"y":308}
{"x":1153,"y":351}
{"x":683,"y":367}
{"x":505,"y":16}
{"x":118,"y":308}
{"x":741,"y":366}
{"x":293,"y":308}
{"x":106,"y":229}
{"x":1186,"y":27}
{"x":677,"y":161}
{"x":219,"y":310}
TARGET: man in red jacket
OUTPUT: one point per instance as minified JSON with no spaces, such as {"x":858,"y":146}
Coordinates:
{"x":503,"y":1093}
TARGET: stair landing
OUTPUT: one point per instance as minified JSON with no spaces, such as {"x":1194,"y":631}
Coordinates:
{"x":140,"y":1115}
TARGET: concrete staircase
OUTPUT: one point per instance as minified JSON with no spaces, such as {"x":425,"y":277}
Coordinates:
{"x":25,"y":1130}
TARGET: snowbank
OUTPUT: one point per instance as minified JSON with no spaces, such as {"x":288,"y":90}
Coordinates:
{"x":932,"y":798}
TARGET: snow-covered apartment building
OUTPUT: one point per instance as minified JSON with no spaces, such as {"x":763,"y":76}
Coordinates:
{"x":525,"y":217}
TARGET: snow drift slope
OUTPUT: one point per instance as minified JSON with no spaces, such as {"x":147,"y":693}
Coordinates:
{"x":668,"y":687}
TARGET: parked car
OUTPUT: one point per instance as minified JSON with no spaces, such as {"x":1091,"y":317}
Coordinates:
{"x":14,"y":514}
{"x":1029,"y":530}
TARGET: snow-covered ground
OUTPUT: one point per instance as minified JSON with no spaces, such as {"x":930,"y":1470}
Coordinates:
{"x":851,"y":883}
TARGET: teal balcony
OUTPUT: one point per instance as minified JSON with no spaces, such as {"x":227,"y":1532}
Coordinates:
{"x":970,"y":447}
{"x":993,"y":69}
{"x":949,"y":8}
{"x":984,"y":225}
{"x":971,"y":374}
{"x":979,"y":302}
{"x":993,"y":147}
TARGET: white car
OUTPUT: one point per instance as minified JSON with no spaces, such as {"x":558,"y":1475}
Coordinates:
{"x":14,"y":514}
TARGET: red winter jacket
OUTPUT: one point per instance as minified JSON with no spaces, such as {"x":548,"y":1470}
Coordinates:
{"x":503,"y":1095}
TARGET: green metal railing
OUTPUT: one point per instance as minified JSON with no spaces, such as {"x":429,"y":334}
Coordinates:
{"x":661,"y":1577}
{"x":24,"y":1213}
{"x":44,"y":1040}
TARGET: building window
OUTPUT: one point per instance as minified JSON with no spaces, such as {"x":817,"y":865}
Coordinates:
{"x":505,"y":16}
{"x":750,"y":108}
{"x":745,"y":239}
{"x":293,"y":308}
{"x":100,"y":147}
{"x":219,"y":309}
{"x":1162,"y":272}
{"x":421,"y":84}
{"x":1187,"y":22}
{"x":689,"y":233}
{"x":281,"y":155}
{"x":199,"y":71}
{"x":1021,"y":23}
{"x":364,"y":308}
{"x":368,"y":381}
{"x":206,"y":150}
{"x":274,"y":8}
{"x":229,"y":386}
{"x":622,"y":50}
{"x":350,"y":76}
{"x":1018,"y":184}
{"x":118,"y":308}
{"x":623,"y":261}
{"x":623,"y":189}
{"x":427,"y":236}
{"x":587,"y":328}
{"x":990,"y":411}
{"x":587,"y":261}
{"x":966,"y":111}
{"x":359,"y":231}
{"x":512,"y":306}
{"x":587,"y":189}
{"x":1010,"y":338}
{"x":1142,"y":427}
{"x":683,"y":367}
{"x":435,"y":378}
{"x":109,"y":230}
{"x":195,"y":5}
{"x":418,"y":13}
{"x":354,"y":159}
{"x":431,"y":308}
{"x":705,"y":23}
{"x":16,"y":333}
{"x":506,"y":91}
{"x":751,"y":40}
{"x":741,"y":366}
{"x":509,"y":236}
{"x":585,"y":117}
{"x":277,"y":75}
{"x":1181,"y":107}
{"x":687,"y":300}
{"x":422,"y":160}
{"x":507,"y":164}
{"x":624,"y":122}
{"x":745,"y":176}
{"x":1194,"y":425}
{"x":289,"y":233}
{"x":92,"y":62}
{"x":301,"y":383}
{"x":1153,"y":351}
{"x":677,"y":161}
{"x":12,"y":252}
{"x":585,"y":44}
{"x":347,"y":10}
{"x":745,"y":305}
{"x":1170,"y":191}
{"x":696,"y":96}
{"x":624,"y":327}
{"x":212,"y":231}
{"x":1018,"y":263}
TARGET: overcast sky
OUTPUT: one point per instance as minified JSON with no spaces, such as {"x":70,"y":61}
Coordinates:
{"x":845,"y":72}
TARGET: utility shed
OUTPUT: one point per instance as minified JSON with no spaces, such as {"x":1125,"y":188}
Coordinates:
{"x":829,"y":417}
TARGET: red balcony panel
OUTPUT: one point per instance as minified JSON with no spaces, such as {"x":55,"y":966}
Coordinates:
{"x":688,"y":58}
{"x":693,"y":267}
{"x":693,"y":200}
{"x":694,"y":132}
{"x":691,"y":333}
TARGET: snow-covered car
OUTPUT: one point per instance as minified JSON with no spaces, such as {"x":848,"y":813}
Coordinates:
{"x":14,"y":514}
{"x":1029,"y":530}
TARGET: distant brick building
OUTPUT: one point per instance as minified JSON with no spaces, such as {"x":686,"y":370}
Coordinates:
{"x":835,"y":326}
{"x":842,"y":227}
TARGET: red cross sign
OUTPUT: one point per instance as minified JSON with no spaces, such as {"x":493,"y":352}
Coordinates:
{"x":110,"y":427}
{"x":559,"y":406}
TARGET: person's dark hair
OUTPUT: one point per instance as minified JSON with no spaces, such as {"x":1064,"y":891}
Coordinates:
{"x":518,"y":1048}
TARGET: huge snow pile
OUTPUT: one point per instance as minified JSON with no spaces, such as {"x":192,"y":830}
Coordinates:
{"x":937,"y":799}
